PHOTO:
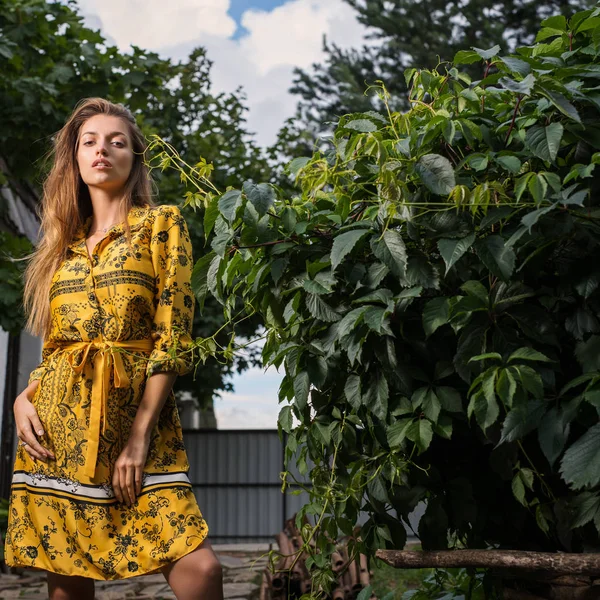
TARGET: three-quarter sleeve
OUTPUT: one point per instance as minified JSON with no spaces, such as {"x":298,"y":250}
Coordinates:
{"x":48,"y":348}
{"x":171,"y":252}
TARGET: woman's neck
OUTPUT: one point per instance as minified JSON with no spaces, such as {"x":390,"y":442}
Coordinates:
{"x":106,"y":209}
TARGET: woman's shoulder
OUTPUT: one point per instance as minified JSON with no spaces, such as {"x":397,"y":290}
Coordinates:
{"x":164,"y":214}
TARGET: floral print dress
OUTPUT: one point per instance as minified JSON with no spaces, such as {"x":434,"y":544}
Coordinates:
{"x":117,"y":317}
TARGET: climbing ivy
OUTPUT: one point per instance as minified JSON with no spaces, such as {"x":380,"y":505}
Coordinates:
{"x":432,"y":296}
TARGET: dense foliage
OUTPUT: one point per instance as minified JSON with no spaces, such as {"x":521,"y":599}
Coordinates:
{"x":50,"y":60}
{"x":433,"y":298}
{"x":404,"y":34}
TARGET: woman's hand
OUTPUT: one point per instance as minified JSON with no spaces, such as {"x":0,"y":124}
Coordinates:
{"x":29,"y":424}
{"x":127,"y":476}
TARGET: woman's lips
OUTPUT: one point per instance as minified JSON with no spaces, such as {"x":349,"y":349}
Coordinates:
{"x":101,"y":163}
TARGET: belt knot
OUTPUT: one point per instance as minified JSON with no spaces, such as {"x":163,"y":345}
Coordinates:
{"x":107,"y":357}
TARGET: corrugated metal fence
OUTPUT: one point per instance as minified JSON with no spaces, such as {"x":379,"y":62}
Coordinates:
{"x":236,"y":479}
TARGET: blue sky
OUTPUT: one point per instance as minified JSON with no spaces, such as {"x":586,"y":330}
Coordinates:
{"x":255,"y":44}
{"x":238,"y":7}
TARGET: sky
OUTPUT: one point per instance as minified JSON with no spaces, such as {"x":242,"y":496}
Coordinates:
{"x":254,"y":44}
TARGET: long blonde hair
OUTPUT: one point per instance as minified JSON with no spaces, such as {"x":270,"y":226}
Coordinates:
{"x":66,"y":204}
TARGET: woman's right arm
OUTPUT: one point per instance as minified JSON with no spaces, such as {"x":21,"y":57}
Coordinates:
{"x":29,"y":424}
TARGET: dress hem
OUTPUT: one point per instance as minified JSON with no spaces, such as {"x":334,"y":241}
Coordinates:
{"x":118,"y":578}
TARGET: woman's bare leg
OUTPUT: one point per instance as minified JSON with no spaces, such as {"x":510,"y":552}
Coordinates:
{"x":197,"y":575}
{"x":66,"y":587}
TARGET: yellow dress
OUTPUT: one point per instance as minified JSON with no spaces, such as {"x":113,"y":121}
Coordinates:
{"x":117,"y":317}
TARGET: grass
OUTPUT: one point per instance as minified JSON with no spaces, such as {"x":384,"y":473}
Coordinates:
{"x":386,"y":578}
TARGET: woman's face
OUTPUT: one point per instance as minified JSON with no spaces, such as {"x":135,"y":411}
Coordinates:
{"x":105,"y":152}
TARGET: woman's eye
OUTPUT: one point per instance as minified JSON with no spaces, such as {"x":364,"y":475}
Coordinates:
{"x":119,"y":144}
{"x":88,"y":142}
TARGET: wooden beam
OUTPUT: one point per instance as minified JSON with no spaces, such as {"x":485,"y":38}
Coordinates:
{"x":557,"y":563}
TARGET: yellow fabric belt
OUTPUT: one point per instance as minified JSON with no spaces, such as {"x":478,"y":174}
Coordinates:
{"x":106,"y":355}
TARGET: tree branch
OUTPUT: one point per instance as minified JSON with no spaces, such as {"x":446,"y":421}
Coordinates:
{"x":571,"y":563}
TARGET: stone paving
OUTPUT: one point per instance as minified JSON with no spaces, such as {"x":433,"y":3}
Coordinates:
{"x":242,"y":573}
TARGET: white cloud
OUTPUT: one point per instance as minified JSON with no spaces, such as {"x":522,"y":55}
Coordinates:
{"x":145,"y":23}
{"x":262,"y":61}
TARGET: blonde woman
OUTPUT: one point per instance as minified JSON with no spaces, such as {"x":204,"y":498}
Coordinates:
{"x":100,"y":487}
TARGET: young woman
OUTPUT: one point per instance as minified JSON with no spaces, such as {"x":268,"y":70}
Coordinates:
{"x":100,"y":487}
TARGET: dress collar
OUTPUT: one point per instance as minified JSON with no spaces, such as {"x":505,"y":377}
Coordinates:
{"x":135,"y":218}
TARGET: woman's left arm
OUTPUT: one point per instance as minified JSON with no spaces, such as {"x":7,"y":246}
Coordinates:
{"x":171,"y":253}
{"x":127,"y":476}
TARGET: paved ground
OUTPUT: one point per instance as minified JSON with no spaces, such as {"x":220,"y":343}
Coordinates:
{"x":242,"y":569}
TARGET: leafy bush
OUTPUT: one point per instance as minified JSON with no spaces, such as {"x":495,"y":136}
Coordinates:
{"x":433,"y":296}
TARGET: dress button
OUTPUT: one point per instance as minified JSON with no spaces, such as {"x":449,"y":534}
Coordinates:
{"x":95,"y":259}
{"x":92,"y":297}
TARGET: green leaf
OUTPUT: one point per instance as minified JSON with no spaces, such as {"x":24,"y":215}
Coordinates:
{"x":518,"y":489}
{"x":380,"y":406}
{"x":229,"y":204}
{"x":516,"y":65}
{"x":564,"y":105}
{"x":537,"y":188}
{"x":421,"y":433}
{"x":466,"y":57}
{"x":437,"y":173}
{"x":321,"y":433}
{"x":365,"y":593}
{"x":396,"y":433}
{"x":557,"y":22}
{"x":553,"y":433}
{"x":544,"y":142}
{"x":301,"y":389}
{"x":486,"y":410}
{"x":296,"y":164}
{"x":390,"y":250}
{"x":352,"y":391}
{"x":343,"y":244}
{"x":531,"y":380}
{"x":511,"y":163}
{"x":449,"y":131}
{"x":431,"y":405}
{"x":210,"y":216}
{"x":588,"y":353}
{"x":487,"y":54}
{"x":583,"y":508}
{"x":506,"y":386}
{"x":199,"y":279}
{"x":528,"y":354}
{"x":521,"y":420}
{"x":262,"y":196}
{"x":587,"y":286}
{"x":531,"y":218}
{"x":435,"y":314}
{"x":374,"y":318}
{"x":580,"y":466}
{"x":486,"y":356}
{"x":547,"y":33}
{"x":496,"y":256}
{"x":477,"y":290}
{"x":452,"y":250}
{"x":421,"y":273}
{"x":284,"y":421}
{"x":449,"y":398}
{"x":443,"y":427}
{"x":519,"y":87}
{"x":361,"y":125}
{"x":320,"y":309}
{"x":289,"y":219}
{"x":477,"y":161}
